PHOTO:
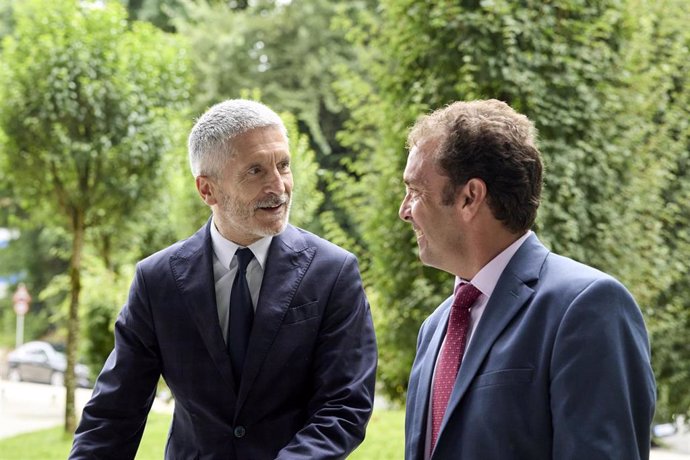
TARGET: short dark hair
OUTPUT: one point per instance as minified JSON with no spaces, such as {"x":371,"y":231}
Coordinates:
{"x":487,"y":139}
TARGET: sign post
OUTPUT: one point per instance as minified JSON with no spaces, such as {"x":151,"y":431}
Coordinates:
{"x":21,"y":300}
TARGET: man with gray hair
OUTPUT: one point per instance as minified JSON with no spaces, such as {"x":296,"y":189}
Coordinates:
{"x":261,"y":330}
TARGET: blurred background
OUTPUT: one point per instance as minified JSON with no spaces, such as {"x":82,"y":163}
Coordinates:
{"x":97,"y":98}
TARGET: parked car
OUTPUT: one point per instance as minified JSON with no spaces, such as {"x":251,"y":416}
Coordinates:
{"x":42,"y":362}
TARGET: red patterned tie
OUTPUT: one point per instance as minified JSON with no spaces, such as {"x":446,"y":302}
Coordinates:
{"x":451,"y":354}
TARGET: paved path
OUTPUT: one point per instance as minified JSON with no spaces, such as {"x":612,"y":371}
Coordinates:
{"x":678,"y":446}
{"x":659,"y":454}
{"x":26,"y":407}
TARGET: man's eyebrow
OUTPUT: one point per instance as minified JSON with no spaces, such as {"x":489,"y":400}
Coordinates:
{"x":411,"y":180}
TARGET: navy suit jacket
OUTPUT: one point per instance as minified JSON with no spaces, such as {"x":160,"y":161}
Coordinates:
{"x":558,"y":368}
{"x":308,"y":381}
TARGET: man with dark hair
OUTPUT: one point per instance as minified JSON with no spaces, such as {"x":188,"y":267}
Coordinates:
{"x":261,"y":330}
{"x":535,"y":356}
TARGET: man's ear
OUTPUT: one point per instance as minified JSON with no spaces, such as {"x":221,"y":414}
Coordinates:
{"x":207,"y":190}
{"x":471,"y":197}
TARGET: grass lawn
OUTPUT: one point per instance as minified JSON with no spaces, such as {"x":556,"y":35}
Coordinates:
{"x":384,"y":440}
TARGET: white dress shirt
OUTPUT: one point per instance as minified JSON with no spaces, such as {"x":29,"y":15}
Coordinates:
{"x":485,"y":280}
{"x":225,"y":268}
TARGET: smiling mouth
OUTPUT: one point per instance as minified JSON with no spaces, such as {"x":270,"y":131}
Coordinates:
{"x":271,"y":208}
{"x":273,"y":204}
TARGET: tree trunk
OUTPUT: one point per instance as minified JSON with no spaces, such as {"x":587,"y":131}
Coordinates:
{"x":78,"y":230}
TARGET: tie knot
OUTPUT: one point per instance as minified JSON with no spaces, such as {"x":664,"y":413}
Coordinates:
{"x":465,"y":295}
{"x":244,"y":256}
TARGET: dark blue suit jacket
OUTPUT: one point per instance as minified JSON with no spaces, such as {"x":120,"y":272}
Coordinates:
{"x":558,"y":368}
{"x":308,"y":383}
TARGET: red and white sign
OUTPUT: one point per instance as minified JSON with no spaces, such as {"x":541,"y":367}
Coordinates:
{"x":21,"y":299}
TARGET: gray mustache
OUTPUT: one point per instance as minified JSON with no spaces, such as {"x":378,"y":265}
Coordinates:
{"x":273,"y":201}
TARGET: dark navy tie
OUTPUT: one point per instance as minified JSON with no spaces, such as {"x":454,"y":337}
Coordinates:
{"x":241,"y":314}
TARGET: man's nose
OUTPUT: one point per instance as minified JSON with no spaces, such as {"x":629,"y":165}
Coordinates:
{"x":275,"y":182}
{"x":404,"y":211}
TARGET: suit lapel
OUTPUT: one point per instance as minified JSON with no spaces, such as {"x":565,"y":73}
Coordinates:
{"x":287,"y":262}
{"x":192,"y":267}
{"x":509,"y":297}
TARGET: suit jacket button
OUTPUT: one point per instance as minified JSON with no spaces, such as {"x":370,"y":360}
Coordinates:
{"x":239,"y":431}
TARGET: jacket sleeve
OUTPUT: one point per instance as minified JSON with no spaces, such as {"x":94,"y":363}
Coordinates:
{"x":602,"y":388}
{"x":343,"y":377}
{"x":113,"y":420}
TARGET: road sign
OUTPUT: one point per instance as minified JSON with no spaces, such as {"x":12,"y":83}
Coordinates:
{"x":21,"y":299}
{"x":21,"y":308}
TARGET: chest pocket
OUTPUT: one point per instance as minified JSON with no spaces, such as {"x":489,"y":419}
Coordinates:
{"x":503,"y":377}
{"x":301,"y":313}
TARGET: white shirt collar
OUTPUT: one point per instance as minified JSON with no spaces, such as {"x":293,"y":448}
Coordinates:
{"x":225,"y":249}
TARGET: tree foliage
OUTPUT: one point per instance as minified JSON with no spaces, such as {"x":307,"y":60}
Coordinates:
{"x":86,"y":107}
{"x":307,"y":198}
{"x":286,"y":49}
{"x":6,"y":22}
{"x":658,"y":203}
{"x":162,"y":13}
{"x":33,"y":258}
